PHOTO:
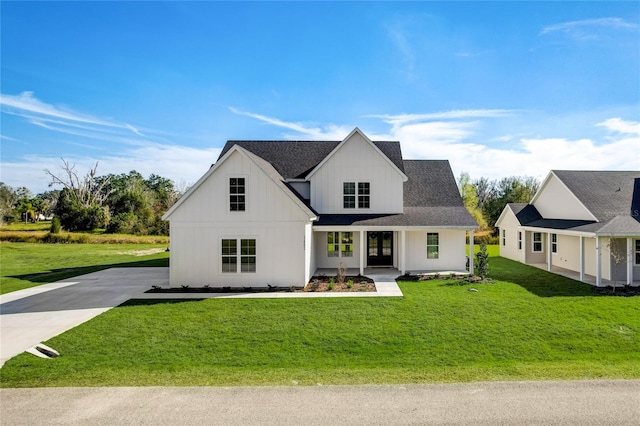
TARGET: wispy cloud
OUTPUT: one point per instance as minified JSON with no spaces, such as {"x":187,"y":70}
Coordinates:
{"x":329,"y":132}
{"x":621,"y":126}
{"x":42,"y":114}
{"x":589,"y":29}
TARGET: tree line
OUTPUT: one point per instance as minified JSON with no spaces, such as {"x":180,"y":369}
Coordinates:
{"x":123,"y":204}
{"x":485,"y":199}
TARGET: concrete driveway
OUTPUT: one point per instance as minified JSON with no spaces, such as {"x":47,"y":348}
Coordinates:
{"x":37,"y":314}
{"x":595,"y":402}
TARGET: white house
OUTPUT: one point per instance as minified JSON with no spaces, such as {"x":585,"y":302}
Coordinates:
{"x":582,"y":221}
{"x":273,"y":212}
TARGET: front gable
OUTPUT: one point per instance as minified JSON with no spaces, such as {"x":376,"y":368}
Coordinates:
{"x":554,"y":200}
{"x":356,"y":160}
{"x":266,"y":197}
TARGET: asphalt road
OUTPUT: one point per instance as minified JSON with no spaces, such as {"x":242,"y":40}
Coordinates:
{"x":495,"y":403}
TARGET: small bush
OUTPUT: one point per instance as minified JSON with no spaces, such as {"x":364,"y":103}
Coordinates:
{"x":331,"y":284}
{"x":349,"y":283}
{"x":55,"y":226}
{"x":482,"y":262}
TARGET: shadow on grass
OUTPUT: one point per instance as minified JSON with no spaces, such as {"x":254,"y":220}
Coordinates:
{"x":535,"y":280}
{"x":64,"y":273}
{"x":151,"y":302}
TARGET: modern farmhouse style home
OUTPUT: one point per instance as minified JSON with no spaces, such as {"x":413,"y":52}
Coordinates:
{"x":273,"y":212}
{"x":587,"y":222}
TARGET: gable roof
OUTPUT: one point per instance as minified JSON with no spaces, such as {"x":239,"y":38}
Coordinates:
{"x":608,"y":195}
{"x":265,"y":166}
{"x":296,"y":159}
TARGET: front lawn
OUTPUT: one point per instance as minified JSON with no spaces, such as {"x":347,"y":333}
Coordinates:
{"x":25,"y":265}
{"x":529,"y":325}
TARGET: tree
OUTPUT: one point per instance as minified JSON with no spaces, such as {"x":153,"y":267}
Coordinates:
{"x":497,"y":194}
{"x":8,"y":201}
{"x":481,"y":267}
{"x":468,"y":192}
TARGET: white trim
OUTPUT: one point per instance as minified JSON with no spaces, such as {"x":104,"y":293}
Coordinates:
{"x":533,"y":243}
{"x":598,"y":262}
{"x":581,"y":257}
{"x":471,"y":253}
{"x":337,"y":148}
{"x":631,"y":254}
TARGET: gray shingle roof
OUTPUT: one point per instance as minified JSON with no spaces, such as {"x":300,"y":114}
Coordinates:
{"x":295,"y":159}
{"x":606,"y":194}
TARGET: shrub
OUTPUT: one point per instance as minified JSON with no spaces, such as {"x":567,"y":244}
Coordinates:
{"x":55,"y":226}
{"x":482,"y":262}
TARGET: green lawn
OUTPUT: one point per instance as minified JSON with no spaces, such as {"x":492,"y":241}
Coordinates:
{"x":24,"y":265}
{"x":528,"y":325}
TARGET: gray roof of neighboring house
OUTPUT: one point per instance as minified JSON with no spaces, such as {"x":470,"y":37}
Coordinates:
{"x":295,"y":159}
{"x":431,"y":196}
{"x":608,"y":195}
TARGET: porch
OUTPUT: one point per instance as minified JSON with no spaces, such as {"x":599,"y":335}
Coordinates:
{"x":575,"y":275}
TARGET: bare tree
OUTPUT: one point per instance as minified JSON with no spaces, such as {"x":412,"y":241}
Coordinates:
{"x":88,"y":191}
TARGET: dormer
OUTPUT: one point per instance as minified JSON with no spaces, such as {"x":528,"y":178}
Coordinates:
{"x":356,"y":177}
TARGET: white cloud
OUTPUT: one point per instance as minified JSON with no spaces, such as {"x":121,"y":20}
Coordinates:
{"x":589,"y":29}
{"x":621,"y":126}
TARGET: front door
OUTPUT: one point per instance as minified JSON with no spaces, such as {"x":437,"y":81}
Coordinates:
{"x":380,"y":248}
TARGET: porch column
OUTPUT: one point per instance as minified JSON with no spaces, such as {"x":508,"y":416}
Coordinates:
{"x":471,"y":253}
{"x":362,"y":250}
{"x":629,"y":261}
{"x":581,"y":258}
{"x":403,"y":257}
{"x":549,"y":257}
{"x":598,"y":263}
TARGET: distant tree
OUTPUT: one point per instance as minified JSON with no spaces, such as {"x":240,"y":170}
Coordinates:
{"x":468,"y":192}
{"x":55,"y":225}
{"x":497,"y":194}
{"x":8,"y":201}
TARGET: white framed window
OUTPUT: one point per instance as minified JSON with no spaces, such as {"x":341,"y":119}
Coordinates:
{"x":554,"y":243}
{"x":339,"y":244}
{"x":245,"y":257}
{"x":237,"y":194}
{"x":637,"y":252}
{"x":433,"y":245}
{"x":537,"y":242}
{"x":349,"y":195}
{"x":519,"y":240}
{"x":352,"y":193}
{"x":504,"y":237}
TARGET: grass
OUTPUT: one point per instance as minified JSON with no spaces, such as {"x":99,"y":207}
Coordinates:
{"x":25,"y":265}
{"x":528,"y":325}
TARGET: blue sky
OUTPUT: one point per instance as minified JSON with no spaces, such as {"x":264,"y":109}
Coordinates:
{"x":498,"y":88}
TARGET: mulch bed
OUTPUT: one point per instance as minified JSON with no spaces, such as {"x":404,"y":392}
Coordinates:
{"x":350,"y":284}
{"x":626,"y":291}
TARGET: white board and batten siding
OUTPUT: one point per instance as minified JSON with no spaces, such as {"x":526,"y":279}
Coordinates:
{"x":555,"y":201}
{"x":356,"y":160}
{"x":279,"y":226}
{"x":451,"y":250}
{"x":509,"y":246}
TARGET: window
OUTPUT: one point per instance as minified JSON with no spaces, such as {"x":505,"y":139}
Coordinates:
{"x":230,"y":255}
{"x":349,"y":195}
{"x":504,"y":237}
{"x":248,"y":255}
{"x":432,"y":245}
{"x":519,"y":240}
{"x":339,"y":244}
{"x":554,"y":243}
{"x":363,"y":195}
{"x":236,"y":194}
{"x":537,"y":242}
{"x":637,"y":252}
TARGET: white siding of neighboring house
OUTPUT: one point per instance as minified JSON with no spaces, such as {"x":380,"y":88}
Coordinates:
{"x":356,"y":161}
{"x":568,"y":255}
{"x":510,"y":225}
{"x":271,"y":218}
{"x":555,"y":201}
{"x":451,"y":251}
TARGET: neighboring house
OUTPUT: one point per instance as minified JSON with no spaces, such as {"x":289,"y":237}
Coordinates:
{"x":582,"y":221}
{"x":273,"y":212}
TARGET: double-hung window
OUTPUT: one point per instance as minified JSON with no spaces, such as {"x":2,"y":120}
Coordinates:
{"x":339,"y":244}
{"x":537,"y":242}
{"x":504,"y":237}
{"x":519,"y":240}
{"x":352,"y":193}
{"x":433,"y":245}
{"x":554,"y":243}
{"x":231,"y":256}
{"x":637,"y":252}
{"x":237,"y":193}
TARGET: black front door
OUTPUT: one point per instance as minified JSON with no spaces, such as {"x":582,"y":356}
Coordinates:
{"x":380,"y":248}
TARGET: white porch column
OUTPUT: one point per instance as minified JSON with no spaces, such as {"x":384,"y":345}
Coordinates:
{"x":471,"y":254}
{"x":403,"y":257}
{"x":598,"y":263}
{"x":362,"y":250}
{"x":581,"y":258}
{"x":629,"y":260}
{"x":549,"y":257}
